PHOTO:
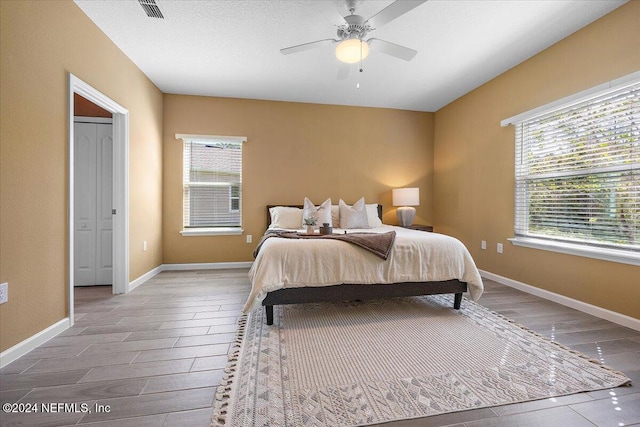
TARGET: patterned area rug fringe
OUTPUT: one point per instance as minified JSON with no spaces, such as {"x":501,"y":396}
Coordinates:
{"x":223,"y":392}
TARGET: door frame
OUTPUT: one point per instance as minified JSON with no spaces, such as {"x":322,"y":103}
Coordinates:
{"x":120,"y":186}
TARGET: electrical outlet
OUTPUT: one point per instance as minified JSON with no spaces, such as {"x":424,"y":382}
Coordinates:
{"x":483,"y":245}
{"x":144,"y":245}
{"x":249,"y":238}
{"x":499,"y":248}
{"x":4,"y":292}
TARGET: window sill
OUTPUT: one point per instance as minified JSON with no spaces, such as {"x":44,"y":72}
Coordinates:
{"x":614,"y":255}
{"x":222,"y":231}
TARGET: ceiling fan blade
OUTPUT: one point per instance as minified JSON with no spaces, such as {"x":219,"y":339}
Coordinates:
{"x":393,"y":11}
{"x":392,"y":49}
{"x":307,"y":46}
{"x":343,"y":71}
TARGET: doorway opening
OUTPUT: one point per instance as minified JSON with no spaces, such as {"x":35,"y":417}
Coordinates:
{"x":119,"y":181}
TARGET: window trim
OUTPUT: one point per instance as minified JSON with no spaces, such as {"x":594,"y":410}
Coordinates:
{"x":212,"y":231}
{"x":590,"y":251}
{"x":621,"y":83}
{"x":605,"y":254}
{"x":217,"y":231}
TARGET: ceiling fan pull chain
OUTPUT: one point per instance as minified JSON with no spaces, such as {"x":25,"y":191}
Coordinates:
{"x":358,"y":83}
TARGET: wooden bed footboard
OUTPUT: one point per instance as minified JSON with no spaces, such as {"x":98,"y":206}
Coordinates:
{"x":348,"y":292}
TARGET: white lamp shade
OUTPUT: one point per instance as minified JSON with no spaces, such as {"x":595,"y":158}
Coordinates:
{"x":352,"y":50}
{"x":406,"y":196}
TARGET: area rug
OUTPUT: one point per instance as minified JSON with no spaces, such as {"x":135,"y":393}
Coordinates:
{"x":361,"y":363}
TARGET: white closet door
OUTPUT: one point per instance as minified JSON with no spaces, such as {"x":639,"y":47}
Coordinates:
{"x":84,"y":203}
{"x":104,"y":214}
{"x":93,"y":196}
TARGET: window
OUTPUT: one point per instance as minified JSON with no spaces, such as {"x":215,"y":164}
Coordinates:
{"x":577,"y":175}
{"x":212,"y":185}
{"x":234,"y":198}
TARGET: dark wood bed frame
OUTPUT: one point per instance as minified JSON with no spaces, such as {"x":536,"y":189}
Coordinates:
{"x":346,"y":292}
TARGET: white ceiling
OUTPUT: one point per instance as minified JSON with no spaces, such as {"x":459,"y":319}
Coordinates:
{"x":232,"y":48}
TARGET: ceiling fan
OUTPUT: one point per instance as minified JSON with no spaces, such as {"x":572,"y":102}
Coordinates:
{"x":352,"y":46}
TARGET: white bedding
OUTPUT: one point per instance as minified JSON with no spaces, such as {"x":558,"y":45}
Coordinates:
{"x":417,"y":256}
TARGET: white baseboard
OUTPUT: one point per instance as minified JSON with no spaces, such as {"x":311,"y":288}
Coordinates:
{"x":603,"y":313}
{"x":206,"y":266}
{"x":184,"y":267}
{"x":24,"y":347}
{"x":146,"y":276}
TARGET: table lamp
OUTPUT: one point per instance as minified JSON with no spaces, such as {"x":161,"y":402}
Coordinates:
{"x":406,"y":198}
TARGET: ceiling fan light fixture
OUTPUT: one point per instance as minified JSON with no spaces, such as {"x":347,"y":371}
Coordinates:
{"x":352,"y":50}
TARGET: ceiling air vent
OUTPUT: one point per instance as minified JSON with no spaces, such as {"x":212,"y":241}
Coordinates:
{"x":151,"y":8}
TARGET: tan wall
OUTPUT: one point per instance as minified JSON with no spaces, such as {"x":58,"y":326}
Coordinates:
{"x":474,"y":162}
{"x":295,"y":150}
{"x":40,"y":43}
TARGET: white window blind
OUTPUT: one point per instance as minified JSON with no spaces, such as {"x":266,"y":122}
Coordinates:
{"x":212,"y":197}
{"x":578,"y":172}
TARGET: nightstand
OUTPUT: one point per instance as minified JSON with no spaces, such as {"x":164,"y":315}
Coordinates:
{"x":419,"y":227}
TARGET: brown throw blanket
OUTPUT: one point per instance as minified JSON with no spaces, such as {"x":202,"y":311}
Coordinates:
{"x":379,"y":244}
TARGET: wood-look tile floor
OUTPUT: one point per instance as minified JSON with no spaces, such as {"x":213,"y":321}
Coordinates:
{"x":155,"y":356}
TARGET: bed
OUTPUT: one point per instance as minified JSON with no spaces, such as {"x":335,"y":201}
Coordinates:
{"x":293,"y":271}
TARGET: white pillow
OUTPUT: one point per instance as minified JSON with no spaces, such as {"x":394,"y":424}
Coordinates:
{"x":372,"y":216}
{"x":353,"y":216}
{"x":285,"y":217}
{"x":322,"y":213}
